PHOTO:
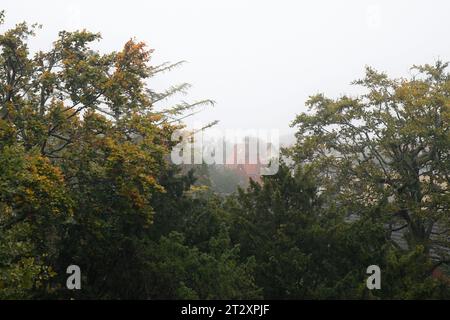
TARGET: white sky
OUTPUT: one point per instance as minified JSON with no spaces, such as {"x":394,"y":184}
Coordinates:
{"x":259,"y":60}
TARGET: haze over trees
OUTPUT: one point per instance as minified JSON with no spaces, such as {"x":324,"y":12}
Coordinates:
{"x":85,"y":179}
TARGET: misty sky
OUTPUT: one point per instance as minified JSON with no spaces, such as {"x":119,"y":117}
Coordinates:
{"x":259,"y":60}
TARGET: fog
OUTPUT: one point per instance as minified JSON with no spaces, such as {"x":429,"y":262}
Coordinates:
{"x":259,"y":60}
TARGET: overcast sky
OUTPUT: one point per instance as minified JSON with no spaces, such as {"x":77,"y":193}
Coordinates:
{"x":259,"y":60}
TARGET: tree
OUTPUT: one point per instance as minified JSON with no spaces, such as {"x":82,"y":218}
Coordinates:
{"x":179,"y":271}
{"x":33,"y":204}
{"x":384,"y":155}
{"x":303,"y":250}
{"x":85,"y":179}
{"x":83,"y":150}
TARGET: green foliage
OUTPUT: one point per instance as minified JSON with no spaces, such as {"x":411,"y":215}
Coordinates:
{"x":408,"y":277}
{"x":21,"y":273}
{"x":182,"y":272}
{"x":386,"y":149}
{"x":85,"y":179}
{"x":302,"y":251}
